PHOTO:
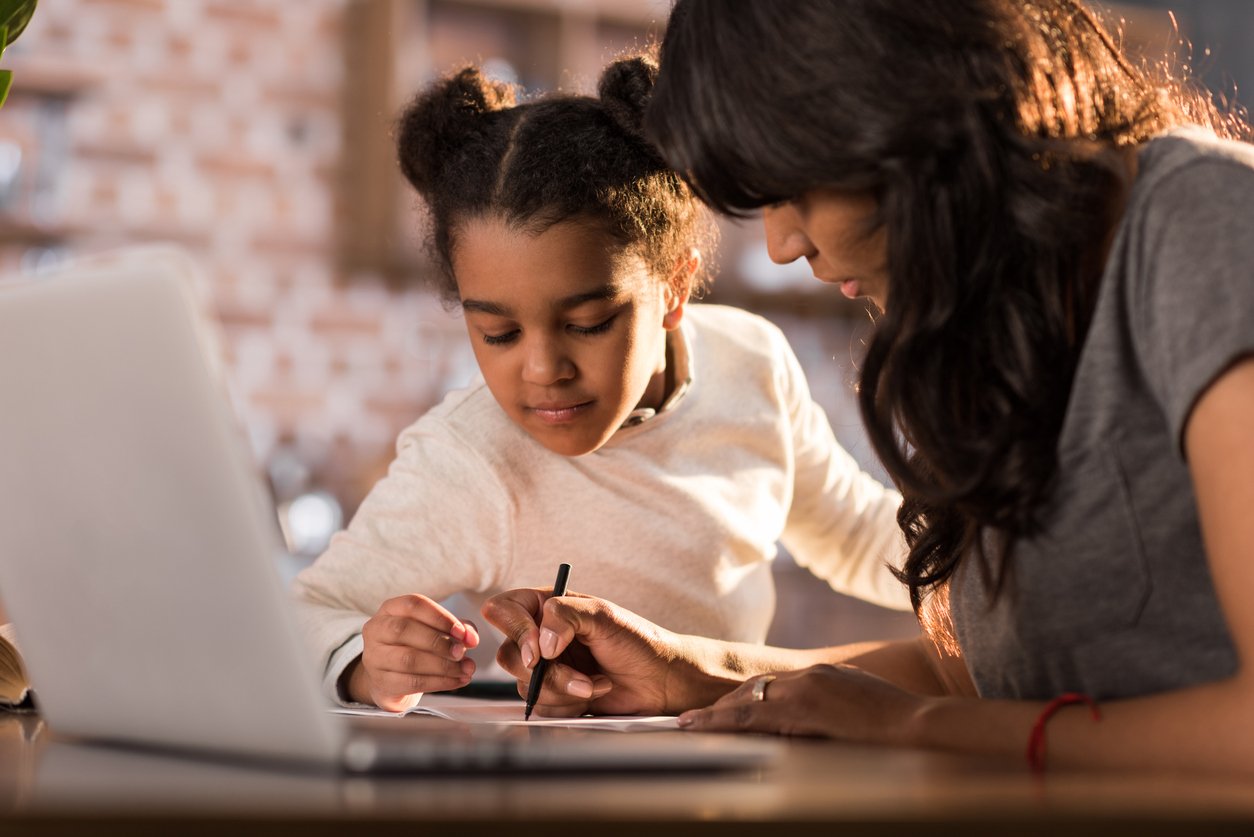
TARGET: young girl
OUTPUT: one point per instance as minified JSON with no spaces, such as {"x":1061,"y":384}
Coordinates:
{"x":661,"y":448}
{"x":1062,"y":380}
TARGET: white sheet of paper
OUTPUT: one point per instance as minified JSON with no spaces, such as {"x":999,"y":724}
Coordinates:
{"x":510,"y":712}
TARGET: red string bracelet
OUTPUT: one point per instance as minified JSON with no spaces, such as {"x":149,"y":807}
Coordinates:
{"x":1036,"y":741}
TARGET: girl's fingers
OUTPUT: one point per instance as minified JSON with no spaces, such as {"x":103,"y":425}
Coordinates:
{"x":403,"y":632}
{"x":471,"y":640}
{"x":390,"y":688}
{"x":423,"y":610}
{"x":397,"y":659}
{"x":396,"y":673}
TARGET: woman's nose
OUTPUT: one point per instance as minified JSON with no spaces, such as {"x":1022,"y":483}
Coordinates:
{"x":786,"y":241}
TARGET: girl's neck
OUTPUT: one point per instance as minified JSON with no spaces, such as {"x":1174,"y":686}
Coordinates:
{"x":662,"y":384}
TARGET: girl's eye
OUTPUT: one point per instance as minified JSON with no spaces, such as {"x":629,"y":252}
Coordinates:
{"x":501,"y":339}
{"x":596,"y":329}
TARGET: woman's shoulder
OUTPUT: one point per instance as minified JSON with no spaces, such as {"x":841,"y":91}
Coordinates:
{"x":1190,"y":159}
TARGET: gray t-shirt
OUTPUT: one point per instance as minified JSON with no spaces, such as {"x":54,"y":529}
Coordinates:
{"x":1115,"y":598}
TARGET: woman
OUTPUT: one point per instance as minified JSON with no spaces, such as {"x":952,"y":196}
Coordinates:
{"x":1061,"y":383}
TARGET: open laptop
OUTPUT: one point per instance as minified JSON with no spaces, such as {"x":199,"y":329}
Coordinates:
{"x":137,"y":553}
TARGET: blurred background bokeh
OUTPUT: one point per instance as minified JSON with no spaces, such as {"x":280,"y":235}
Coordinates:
{"x":256,"y":134}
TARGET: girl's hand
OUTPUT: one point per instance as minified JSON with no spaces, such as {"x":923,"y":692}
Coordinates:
{"x":606,"y":660}
{"x":830,"y":701}
{"x":412,"y":645}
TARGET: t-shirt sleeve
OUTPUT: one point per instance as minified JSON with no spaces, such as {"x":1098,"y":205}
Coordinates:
{"x":842,"y":523}
{"x":1195,"y":316}
{"x":437,"y":524}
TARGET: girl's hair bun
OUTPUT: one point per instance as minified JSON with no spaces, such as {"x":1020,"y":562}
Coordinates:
{"x":442,"y":119}
{"x":625,"y":88}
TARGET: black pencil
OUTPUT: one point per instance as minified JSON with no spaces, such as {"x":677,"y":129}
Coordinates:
{"x":537,"y":673}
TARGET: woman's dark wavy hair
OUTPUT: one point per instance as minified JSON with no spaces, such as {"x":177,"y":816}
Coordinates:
{"x":988,"y":131}
{"x":472,"y":151}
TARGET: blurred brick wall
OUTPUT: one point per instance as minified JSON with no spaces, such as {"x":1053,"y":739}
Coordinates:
{"x":216,"y":124}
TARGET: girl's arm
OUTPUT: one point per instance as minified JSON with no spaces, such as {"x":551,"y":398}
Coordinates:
{"x":1208,"y":727}
{"x":842,"y":522}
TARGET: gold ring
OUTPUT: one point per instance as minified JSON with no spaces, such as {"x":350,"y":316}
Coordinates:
{"x":759,"y":686}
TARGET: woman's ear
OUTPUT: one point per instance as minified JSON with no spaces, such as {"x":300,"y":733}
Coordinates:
{"x":677,"y":289}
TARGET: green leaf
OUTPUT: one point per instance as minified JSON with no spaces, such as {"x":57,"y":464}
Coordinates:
{"x":6,"y":81}
{"x":14,"y":15}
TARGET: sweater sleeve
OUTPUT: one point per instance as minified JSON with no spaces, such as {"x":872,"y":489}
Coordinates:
{"x":842,"y":524}
{"x":439,"y":523}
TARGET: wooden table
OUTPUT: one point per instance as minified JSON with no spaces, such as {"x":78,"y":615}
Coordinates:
{"x":52,"y":786}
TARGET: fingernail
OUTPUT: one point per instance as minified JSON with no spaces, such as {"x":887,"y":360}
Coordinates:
{"x":457,"y":650}
{"x":468,"y":667}
{"x":548,"y":643}
{"x":579,"y":689}
{"x":686,"y":719}
{"x":528,"y":655}
{"x":458,"y":631}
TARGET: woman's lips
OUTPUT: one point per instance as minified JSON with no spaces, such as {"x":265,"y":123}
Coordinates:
{"x":848,"y":286}
{"x":560,"y":413}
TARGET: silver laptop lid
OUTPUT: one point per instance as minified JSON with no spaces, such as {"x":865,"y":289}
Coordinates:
{"x":136,"y":547}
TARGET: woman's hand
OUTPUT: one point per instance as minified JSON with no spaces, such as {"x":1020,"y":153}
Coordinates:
{"x":830,"y":701}
{"x":606,"y":660}
{"x":411,"y":645}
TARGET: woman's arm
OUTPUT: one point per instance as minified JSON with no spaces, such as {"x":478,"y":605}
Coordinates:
{"x":611,"y":661}
{"x":915,"y":665}
{"x":1207,"y":727}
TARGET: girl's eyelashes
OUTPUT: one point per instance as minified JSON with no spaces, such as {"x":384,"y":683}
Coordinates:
{"x":507,"y":337}
{"x":501,"y":339}
{"x":596,"y":329}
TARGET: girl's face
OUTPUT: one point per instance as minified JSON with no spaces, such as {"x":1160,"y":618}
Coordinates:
{"x":835,"y":232}
{"x":568,"y":328}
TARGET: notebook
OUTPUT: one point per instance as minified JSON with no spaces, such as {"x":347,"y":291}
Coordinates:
{"x":137,"y":554}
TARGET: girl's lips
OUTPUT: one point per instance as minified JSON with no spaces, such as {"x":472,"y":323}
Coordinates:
{"x":560,"y":414}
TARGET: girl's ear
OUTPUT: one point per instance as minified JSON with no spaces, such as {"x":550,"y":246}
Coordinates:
{"x":677,"y":289}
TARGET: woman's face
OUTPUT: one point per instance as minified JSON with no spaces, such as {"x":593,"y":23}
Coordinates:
{"x":835,"y":232}
{"x":568,"y":328}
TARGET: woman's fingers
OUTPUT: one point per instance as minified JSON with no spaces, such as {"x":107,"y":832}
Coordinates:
{"x":743,"y":709}
{"x":514,"y":615}
{"x":833,"y":701}
{"x":596,"y":643}
{"x":568,"y":693}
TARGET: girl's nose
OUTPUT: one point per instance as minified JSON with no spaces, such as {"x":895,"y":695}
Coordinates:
{"x":546,"y":363}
